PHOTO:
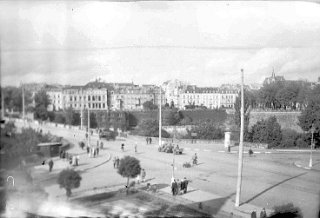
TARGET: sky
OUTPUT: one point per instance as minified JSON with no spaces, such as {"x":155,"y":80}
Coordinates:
{"x":202,"y":43}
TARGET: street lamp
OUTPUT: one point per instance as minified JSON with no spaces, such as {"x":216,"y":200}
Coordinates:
{"x":311,"y":146}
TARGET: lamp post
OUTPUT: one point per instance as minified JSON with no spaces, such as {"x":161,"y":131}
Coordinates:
{"x":160,"y":124}
{"x":311,"y":146}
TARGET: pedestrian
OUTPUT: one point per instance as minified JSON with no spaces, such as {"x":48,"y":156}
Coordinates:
{"x":77,"y":160}
{"x":143,"y":175}
{"x":118,"y":162}
{"x":88,"y":150}
{"x":63,"y":155}
{"x":74,"y":160}
{"x":174,"y":187}
{"x":86,"y":135}
{"x":101,"y":145}
{"x":182,"y":185}
{"x":61,"y":152}
{"x":94,"y":152}
{"x":138,"y":179}
{"x":178,"y":187}
{"x":263,"y":213}
{"x":97,"y":150}
{"x":147,"y":140}
{"x":122,"y":147}
{"x":150,"y":140}
{"x":114,"y":162}
{"x":70,"y":159}
{"x":50,"y":165}
{"x":185,"y":185}
{"x":254,"y":214}
{"x":135,"y":148}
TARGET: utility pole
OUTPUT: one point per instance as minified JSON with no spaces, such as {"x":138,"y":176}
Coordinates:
{"x":312,"y":143}
{"x":160,"y":125}
{"x":23,"y":106}
{"x":89,"y":128}
{"x":240,"y":160}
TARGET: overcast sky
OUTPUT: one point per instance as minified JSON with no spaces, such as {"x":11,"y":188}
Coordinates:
{"x":203,"y":43}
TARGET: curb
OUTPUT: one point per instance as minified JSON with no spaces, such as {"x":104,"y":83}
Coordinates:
{"x":300,"y":166}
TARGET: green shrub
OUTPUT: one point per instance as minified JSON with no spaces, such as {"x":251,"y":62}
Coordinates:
{"x":289,"y":138}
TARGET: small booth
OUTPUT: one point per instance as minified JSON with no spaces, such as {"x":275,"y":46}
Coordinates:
{"x":49,"y":149}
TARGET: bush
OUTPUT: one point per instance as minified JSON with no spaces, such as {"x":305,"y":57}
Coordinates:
{"x":303,"y":141}
{"x":289,"y":138}
{"x":286,"y":210}
{"x":151,"y":128}
{"x":205,"y":130}
{"x":267,"y":131}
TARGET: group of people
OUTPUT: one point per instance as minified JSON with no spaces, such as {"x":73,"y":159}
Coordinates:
{"x":142,"y":176}
{"x":263,"y":214}
{"x":179,"y":187}
{"x":149,"y":140}
{"x":116,"y":162}
{"x":93,"y":151}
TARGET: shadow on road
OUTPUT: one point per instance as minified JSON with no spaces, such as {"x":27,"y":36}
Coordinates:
{"x":212,"y":206}
{"x":273,"y":186}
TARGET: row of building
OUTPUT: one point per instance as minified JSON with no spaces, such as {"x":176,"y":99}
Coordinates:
{"x":100,"y":95}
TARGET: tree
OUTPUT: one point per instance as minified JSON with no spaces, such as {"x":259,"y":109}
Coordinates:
{"x":267,"y":95}
{"x":149,"y":127}
{"x":206,"y":130}
{"x":267,"y":131}
{"x":72,"y":118}
{"x":130,"y":168}
{"x":41,"y":104}
{"x":13,"y":98}
{"x":149,"y":105}
{"x":311,"y":115}
{"x":69,"y":179}
{"x":287,"y":96}
{"x":171,"y":117}
{"x":59,"y":118}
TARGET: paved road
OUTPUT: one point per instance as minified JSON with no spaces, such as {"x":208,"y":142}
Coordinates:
{"x":268,"y":179}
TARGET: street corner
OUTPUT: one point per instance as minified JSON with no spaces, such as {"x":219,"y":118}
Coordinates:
{"x":307,"y":165}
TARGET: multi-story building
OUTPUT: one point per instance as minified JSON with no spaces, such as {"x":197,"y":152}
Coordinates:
{"x":173,"y":89}
{"x":209,"y":97}
{"x":273,"y":79}
{"x":133,"y":97}
{"x":55,"y":96}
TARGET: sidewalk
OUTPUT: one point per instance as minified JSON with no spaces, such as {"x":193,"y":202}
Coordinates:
{"x":212,"y":204}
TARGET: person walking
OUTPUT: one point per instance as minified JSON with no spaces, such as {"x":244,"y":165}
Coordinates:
{"x":143,"y":175}
{"x":118,"y":162}
{"x":88,"y":150}
{"x":254,"y":214}
{"x":263,"y":213}
{"x":114,"y":162}
{"x":174,"y":187}
{"x":185,"y":185}
{"x":135,"y":148}
{"x":122,"y":147}
{"x":178,"y":187}
{"x":150,"y":140}
{"x":173,"y":190}
{"x":182,"y":185}
{"x":147,"y":140}
{"x":97,"y":150}
{"x":50,"y":165}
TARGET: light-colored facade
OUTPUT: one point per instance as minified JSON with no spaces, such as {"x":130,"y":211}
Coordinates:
{"x":82,"y":98}
{"x":56,"y":99}
{"x":132,"y":98}
{"x":127,"y":96}
{"x":211,"y":98}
